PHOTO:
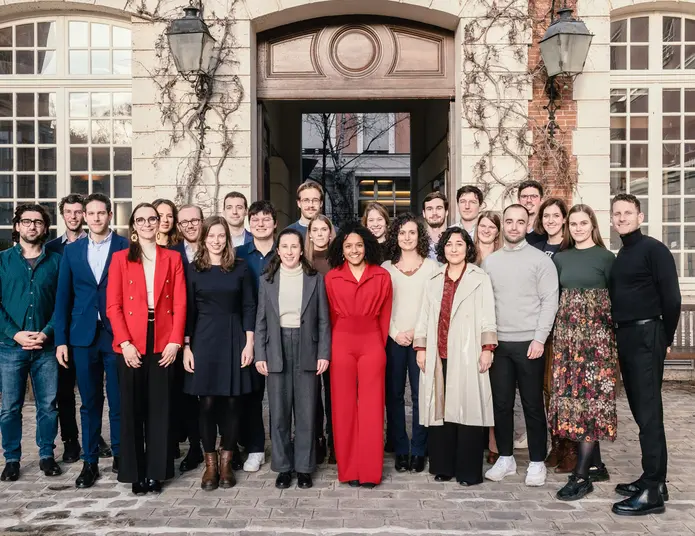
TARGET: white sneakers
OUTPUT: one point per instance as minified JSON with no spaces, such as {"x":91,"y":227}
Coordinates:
{"x":504,"y":466}
{"x":535,"y":474}
{"x":254,"y":461}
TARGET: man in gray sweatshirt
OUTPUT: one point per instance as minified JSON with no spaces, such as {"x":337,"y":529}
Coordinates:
{"x":525,"y":284}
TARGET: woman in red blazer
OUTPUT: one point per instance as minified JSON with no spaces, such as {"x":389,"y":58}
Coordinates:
{"x":146,"y":304}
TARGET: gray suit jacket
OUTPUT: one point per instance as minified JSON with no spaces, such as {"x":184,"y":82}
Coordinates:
{"x":314,"y":332}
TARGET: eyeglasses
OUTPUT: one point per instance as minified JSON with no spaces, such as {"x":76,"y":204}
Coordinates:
{"x":194,"y":222}
{"x":316,"y":201}
{"x":26,"y":222}
{"x":529,"y":197}
{"x":151,"y":220}
{"x":256,"y":221}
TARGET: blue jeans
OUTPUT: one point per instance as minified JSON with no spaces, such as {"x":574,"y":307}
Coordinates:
{"x":16,"y":365}
{"x":401,"y":362}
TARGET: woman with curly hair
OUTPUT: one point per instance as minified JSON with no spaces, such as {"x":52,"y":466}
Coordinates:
{"x":407,"y":245}
{"x":168,"y":232}
{"x":359,"y":296}
{"x":456,"y":402}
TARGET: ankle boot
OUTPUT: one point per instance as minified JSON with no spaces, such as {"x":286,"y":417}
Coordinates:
{"x":569,"y":459}
{"x":553,"y":458}
{"x":211,"y":477}
{"x":227,"y":479}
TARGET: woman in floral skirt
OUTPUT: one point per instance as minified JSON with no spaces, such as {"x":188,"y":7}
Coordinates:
{"x":585,"y":359}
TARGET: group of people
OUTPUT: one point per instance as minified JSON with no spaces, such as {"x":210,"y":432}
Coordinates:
{"x":189,"y":317}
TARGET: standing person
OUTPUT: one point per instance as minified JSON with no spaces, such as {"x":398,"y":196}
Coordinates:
{"x":257,"y":254}
{"x":407,"y":246}
{"x":550,"y":225}
{"x":320,"y":234}
{"x":310,"y":203}
{"x":82,"y":329}
{"x":360,"y":297}
{"x":584,"y":358}
{"x":185,"y":407}
{"x":293,"y":347}
{"x":435,"y":209}
{"x":168,"y":232}
{"x":28,"y":283}
{"x":235,"y":207}
{"x":646,"y":305}
{"x":525,"y":285}
{"x":376,"y":219}
{"x":146,"y":305}
{"x":457,"y":399}
{"x":530,"y":195}
{"x":470,"y":201}
{"x":71,"y":209}
{"x":219,"y":345}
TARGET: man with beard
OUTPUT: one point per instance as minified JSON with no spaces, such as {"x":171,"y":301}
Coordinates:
{"x":530,"y":196}
{"x":28,"y":281}
{"x":81,"y":325}
{"x":525,"y":285}
{"x":435,"y":209}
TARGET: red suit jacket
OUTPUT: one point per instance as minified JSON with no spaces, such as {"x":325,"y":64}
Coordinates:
{"x":126,"y":300}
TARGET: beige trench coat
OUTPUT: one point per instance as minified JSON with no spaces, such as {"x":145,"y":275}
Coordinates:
{"x":468,"y":397}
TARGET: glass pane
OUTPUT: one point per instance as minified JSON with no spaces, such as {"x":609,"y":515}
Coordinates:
{"x":79,"y":104}
{"x":671,"y":182}
{"x":6,"y":213}
{"x":24,"y":35}
{"x":25,"y":105}
{"x":6,"y":105}
{"x":689,"y":237}
{"x":6,"y":186}
{"x":689,"y":127}
{"x":79,"y":34}
{"x":618,"y":128}
{"x":639,"y":128}
{"x":100,"y":62}
{"x":689,"y":181}
{"x":671,"y":155}
{"x":615,"y":242}
{"x":672,"y":210}
{"x":122,"y":159}
{"x":672,"y":29}
{"x":639,"y":183}
{"x":671,"y":57}
{"x":618,"y":155}
{"x":101,"y":158}
{"x":690,"y":56}
{"x":639,"y":58}
{"x":101,"y":105}
{"x":46,"y":62}
{"x":6,"y":132}
{"x":639,"y":29}
{"x":121,"y":62}
{"x":24,"y":60}
{"x":672,"y":236}
{"x":6,"y":37}
{"x":671,"y":127}
{"x":618,"y":100}
{"x":46,"y":34}
{"x":79,"y":184}
{"x":644,"y":203}
{"x":47,"y":132}
{"x":121,"y":37}
{"x":6,"y":159}
{"x":26,"y":159}
{"x":101,"y":132}
{"x":619,"y":31}
{"x":25,"y":186}
{"x":639,"y":102}
{"x":121,"y":213}
{"x":79,"y":159}
{"x":101,"y":184}
{"x":639,"y":155}
{"x":122,"y":186}
{"x":47,"y":160}
{"x":618,"y":58}
{"x":5,"y":62}
{"x":78,"y":131}
{"x":689,"y":269}
{"x":5,"y":238}
{"x":52,"y":209}
{"x":47,"y":104}
{"x":671,"y":100}
{"x":25,"y":132}
{"x":689,"y":30}
{"x":100,"y":35}
{"x":689,"y":155}
{"x":122,"y":104}
{"x":122,"y":132}
{"x":47,"y":186}
{"x":79,"y":62}
{"x":689,"y":209}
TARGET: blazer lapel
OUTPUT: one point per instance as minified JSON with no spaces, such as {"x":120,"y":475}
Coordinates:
{"x":161,"y":272}
{"x":470,"y":282}
{"x":84,"y":256}
{"x":112,"y":250}
{"x":274,"y":293}
{"x":308,"y":288}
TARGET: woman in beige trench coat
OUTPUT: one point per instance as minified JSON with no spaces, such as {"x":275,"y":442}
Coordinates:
{"x":455,"y":336}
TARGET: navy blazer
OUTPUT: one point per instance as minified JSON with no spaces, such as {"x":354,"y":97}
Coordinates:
{"x":181,"y":248}
{"x":80,"y":296}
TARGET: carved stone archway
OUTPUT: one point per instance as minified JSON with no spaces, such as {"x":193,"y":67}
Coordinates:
{"x":352,"y":58}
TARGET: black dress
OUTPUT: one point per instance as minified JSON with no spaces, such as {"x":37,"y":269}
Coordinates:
{"x":221,"y":308}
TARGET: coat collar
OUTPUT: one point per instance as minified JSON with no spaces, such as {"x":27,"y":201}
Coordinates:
{"x":472,"y":279}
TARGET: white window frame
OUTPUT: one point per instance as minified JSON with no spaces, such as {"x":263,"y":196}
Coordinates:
{"x":391,"y":133}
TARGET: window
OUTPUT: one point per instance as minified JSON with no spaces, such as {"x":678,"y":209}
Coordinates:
{"x":678,"y":48}
{"x":376,"y":133}
{"x":392,"y":193}
{"x":65,"y":115}
{"x":630,"y":44}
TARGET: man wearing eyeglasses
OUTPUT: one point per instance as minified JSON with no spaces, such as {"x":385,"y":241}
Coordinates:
{"x":310,"y":203}
{"x":81,"y":324}
{"x":531,"y":196}
{"x":28,"y":281}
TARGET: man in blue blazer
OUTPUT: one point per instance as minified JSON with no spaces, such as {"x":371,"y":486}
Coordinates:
{"x":82,"y":324}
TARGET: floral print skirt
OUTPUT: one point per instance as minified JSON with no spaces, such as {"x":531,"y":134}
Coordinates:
{"x":585,"y":367}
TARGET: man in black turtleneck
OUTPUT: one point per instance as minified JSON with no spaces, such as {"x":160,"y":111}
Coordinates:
{"x":646,"y":305}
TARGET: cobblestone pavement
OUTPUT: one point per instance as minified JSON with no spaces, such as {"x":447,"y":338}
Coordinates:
{"x":408,"y":504}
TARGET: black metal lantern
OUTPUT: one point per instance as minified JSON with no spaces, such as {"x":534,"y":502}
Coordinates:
{"x":190,"y":43}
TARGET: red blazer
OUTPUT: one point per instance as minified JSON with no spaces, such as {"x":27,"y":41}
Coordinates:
{"x":126,"y":300}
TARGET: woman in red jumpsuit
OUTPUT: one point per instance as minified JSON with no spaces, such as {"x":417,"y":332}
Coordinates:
{"x":359,"y":296}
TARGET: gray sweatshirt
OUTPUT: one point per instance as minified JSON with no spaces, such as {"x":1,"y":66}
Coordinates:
{"x":525,"y":284}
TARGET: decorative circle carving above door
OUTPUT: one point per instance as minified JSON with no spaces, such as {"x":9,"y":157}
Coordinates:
{"x":355,"y":51}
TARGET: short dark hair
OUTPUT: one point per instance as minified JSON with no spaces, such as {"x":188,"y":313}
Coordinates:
{"x":530,"y":184}
{"x":70,"y":200}
{"x":515,"y":205}
{"x":471,"y":250}
{"x":629,"y":198}
{"x":31,"y":207}
{"x":263,"y":206}
{"x":393,"y":252}
{"x":435,"y":195}
{"x":372,"y":249}
{"x":235,"y":195}
{"x":98,"y":197}
{"x":470,"y":189}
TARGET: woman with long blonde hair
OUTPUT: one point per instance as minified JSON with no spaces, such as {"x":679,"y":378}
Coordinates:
{"x":376,"y":218}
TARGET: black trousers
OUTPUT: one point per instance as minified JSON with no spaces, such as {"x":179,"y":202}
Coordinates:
{"x":324,"y":409}
{"x":456,"y":450}
{"x":185,"y":410}
{"x":510,"y":368}
{"x":146,"y":436}
{"x":65,"y":401}
{"x":251,"y":429}
{"x":642,"y":352}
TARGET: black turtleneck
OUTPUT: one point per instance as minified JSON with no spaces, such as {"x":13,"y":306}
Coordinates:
{"x":644,"y":283}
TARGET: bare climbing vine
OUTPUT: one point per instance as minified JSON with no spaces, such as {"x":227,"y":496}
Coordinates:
{"x":203,"y":123}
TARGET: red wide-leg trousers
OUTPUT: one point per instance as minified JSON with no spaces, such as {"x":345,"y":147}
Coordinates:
{"x":358,"y":366}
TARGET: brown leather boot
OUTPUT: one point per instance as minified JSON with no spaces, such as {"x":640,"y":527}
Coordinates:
{"x":553,"y":459}
{"x":211,"y":477}
{"x":227,"y":479}
{"x":568,"y":462}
